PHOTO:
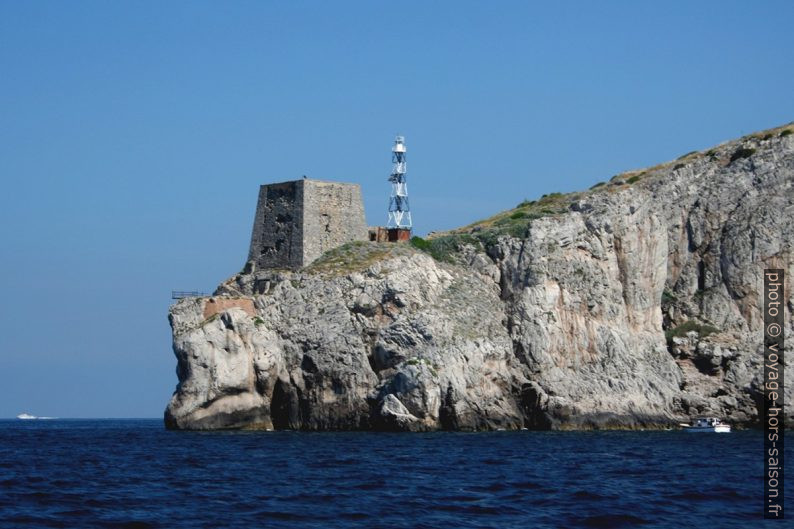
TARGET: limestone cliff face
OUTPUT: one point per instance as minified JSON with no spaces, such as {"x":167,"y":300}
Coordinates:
{"x":636,"y":304}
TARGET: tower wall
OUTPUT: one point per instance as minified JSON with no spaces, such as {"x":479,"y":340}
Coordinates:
{"x":277,"y":236}
{"x":333,"y":214}
{"x":296,"y":222}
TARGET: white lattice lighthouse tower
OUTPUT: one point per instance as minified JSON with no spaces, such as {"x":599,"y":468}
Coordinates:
{"x":399,"y":210}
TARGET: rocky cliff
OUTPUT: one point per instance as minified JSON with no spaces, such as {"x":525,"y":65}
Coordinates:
{"x":634,"y":304}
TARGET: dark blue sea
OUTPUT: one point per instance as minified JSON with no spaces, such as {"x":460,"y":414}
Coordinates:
{"x":135,"y":474}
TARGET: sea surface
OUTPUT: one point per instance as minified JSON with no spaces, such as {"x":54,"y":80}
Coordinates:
{"x":135,"y":474}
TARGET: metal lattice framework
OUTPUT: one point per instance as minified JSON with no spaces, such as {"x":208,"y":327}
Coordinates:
{"x":399,"y":210}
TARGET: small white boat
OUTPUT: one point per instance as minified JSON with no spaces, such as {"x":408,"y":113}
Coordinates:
{"x":26,"y":416}
{"x":708,"y":424}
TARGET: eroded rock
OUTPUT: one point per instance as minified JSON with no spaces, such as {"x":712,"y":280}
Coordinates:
{"x":561,"y":328}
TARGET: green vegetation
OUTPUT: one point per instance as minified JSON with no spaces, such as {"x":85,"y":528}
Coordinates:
{"x":351,"y":257}
{"x":443,"y":248}
{"x":419,"y":243}
{"x":686,"y":155}
{"x":786,"y":132}
{"x":598,"y":184}
{"x":423,"y":361}
{"x":742,"y":152}
{"x":484,"y":234}
{"x":258,"y":321}
{"x":668,"y":297}
{"x":703,"y":330}
{"x":209,"y":320}
{"x":630,"y":177}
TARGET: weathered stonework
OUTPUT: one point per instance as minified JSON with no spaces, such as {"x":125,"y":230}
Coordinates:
{"x":296,"y":222}
{"x":215,"y":306}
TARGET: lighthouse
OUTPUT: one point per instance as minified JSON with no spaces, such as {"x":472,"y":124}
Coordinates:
{"x":398,"y":226}
{"x":399,"y":210}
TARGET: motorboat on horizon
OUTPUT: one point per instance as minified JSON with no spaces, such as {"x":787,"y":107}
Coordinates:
{"x":28,"y":417}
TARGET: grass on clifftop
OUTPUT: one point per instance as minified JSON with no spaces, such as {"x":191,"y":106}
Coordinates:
{"x":443,"y":248}
{"x":516,"y":222}
{"x":354,"y":256}
{"x":484,"y":233}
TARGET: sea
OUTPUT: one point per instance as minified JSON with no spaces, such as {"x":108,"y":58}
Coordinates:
{"x":136,"y":474}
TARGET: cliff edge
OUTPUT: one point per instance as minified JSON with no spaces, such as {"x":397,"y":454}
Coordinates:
{"x":634,"y":304}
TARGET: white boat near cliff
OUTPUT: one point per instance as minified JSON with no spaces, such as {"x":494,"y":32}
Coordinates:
{"x":708,"y":425}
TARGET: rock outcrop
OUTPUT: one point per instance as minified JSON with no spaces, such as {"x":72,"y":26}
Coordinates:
{"x":635,"y":304}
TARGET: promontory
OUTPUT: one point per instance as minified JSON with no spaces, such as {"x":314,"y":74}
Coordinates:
{"x":634,"y":304}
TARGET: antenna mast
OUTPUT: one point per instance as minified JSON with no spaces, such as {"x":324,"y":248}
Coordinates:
{"x":399,"y":210}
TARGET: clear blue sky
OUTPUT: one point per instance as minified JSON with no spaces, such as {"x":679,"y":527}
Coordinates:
{"x":134,"y":136}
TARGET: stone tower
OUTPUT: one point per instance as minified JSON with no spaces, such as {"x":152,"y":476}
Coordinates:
{"x":296,"y":222}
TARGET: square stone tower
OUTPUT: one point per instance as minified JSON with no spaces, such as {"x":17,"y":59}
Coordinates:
{"x":296,"y":222}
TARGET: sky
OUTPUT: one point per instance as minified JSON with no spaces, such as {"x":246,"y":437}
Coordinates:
{"x":134,"y":136}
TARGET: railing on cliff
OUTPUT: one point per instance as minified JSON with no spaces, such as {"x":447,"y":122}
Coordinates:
{"x":180,"y":294}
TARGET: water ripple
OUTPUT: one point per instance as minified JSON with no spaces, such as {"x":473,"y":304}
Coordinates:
{"x":134,"y":474}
